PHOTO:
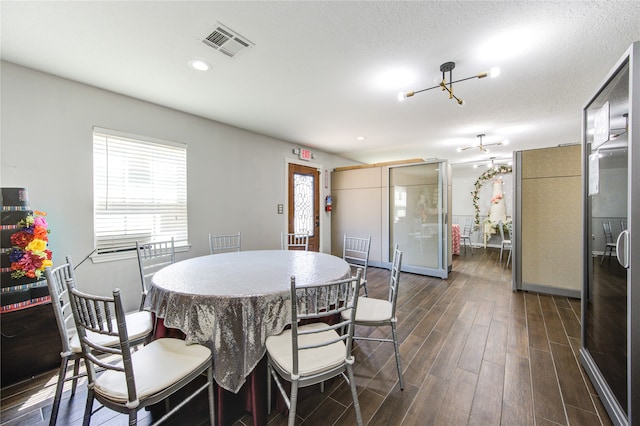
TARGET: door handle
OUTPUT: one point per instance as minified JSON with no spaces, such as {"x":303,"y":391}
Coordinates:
{"x":624,"y":262}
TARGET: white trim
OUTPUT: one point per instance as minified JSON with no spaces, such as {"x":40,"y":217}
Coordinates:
{"x":129,"y":254}
{"x":137,"y":138}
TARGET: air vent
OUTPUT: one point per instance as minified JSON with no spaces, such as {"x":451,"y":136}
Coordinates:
{"x":227,"y":41}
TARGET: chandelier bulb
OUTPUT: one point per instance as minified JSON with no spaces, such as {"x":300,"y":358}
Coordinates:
{"x":495,"y":71}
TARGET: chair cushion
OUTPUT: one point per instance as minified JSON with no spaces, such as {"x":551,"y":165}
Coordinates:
{"x":371,"y":310}
{"x":156,"y":366}
{"x":139,"y":324}
{"x":310,"y":361}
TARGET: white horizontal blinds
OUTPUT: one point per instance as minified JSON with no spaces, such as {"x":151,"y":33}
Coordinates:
{"x":140,"y":192}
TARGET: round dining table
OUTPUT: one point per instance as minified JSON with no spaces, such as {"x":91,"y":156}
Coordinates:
{"x":231,"y":302}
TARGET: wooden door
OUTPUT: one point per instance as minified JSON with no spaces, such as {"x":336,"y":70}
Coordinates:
{"x":304,"y":203}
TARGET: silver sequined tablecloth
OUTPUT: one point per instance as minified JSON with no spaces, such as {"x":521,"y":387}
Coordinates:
{"x":232,"y":302}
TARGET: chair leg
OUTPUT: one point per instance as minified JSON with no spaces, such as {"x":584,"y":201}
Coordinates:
{"x":397,"y":349}
{"x":212,"y":410}
{"x":294,"y":401}
{"x":354,"y":394}
{"x":59,"y":386}
{"x":508,"y":258}
{"x":88,"y":408}
{"x":133,"y":417}
{"x":76,"y":371}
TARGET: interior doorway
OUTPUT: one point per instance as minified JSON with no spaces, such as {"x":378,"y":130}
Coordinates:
{"x":304,"y":203}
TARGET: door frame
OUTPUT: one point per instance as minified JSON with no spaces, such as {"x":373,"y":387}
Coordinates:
{"x":321,"y":195}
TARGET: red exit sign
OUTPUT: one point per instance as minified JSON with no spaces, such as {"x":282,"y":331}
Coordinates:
{"x":305,"y":154}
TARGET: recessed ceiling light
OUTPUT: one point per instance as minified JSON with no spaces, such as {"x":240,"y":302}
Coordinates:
{"x":360,"y":138}
{"x":199,"y":65}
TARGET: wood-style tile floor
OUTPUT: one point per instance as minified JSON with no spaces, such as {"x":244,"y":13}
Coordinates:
{"x":473,"y":353}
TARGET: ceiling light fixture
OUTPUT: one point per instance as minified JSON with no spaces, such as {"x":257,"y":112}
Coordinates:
{"x":448,"y":67}
{"x":199,"y":65}
{"x":493,"y":163}
{"x":481,"y":146}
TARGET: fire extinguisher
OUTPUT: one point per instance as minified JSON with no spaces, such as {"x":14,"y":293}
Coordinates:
{"x":327,"y":203}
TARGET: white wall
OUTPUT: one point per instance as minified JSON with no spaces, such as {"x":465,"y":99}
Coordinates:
{"x":235,"y":178}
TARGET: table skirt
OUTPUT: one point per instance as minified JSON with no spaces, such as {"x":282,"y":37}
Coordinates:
{"x":229,"y":406}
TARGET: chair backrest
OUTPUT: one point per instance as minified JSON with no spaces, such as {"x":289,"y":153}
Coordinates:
{"x":294,"y":241}
{"x":224,"y":243}
{"x":394,"y":281}
{"x":151,"y":258}
{"x":355,"y":251}
{"x":57,"y":283}
{"x":623,"y":225}
{"x":325,"y":300}
{"x":466,"y":231}
{"x":95,"y":318}
{"x":608,"y":236}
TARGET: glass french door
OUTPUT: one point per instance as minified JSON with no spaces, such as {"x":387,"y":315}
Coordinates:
{"x":418,"y":200}
{"x":304,"y":203}
{"x":606,"y":351}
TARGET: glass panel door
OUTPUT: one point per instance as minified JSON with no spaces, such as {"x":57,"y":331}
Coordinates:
{"x":304,"y":205}
{"x":606,"y":181}
{"x":417,"y":217}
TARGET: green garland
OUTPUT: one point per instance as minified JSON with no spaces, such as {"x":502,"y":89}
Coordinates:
{"x":489,"y":174}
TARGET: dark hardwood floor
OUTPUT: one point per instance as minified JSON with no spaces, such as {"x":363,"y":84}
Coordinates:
{"x":473,"y":353}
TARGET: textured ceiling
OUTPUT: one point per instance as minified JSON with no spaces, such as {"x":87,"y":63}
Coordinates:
{"x":314,"y":75}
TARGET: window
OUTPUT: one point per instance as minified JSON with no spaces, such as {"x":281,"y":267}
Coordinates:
{"x":140,"y":191}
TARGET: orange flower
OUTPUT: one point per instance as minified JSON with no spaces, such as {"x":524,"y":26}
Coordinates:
{"x":40,"y":233}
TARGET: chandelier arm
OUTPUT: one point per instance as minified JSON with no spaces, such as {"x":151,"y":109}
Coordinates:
{"x":428,"y":88}
{"x":440,"y":85}
{"x":450,"y":90}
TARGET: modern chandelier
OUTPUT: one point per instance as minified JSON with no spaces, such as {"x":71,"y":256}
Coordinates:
{"x":481,"y":146}
{"x":448,"y":67}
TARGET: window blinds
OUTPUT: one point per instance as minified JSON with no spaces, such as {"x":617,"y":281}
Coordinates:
{"x":140,"y":192}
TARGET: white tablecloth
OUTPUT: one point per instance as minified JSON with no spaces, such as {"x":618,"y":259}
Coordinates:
{"x":232,"y":302}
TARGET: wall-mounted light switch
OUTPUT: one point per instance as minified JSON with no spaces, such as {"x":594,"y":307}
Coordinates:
{"x":280,"y":208}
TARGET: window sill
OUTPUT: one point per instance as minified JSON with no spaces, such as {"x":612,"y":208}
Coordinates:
{"x":131,"y":254}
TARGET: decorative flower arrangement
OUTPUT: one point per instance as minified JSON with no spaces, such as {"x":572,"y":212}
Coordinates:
{"x":29,"y":255}
{"x":489,"y":174}
{"x":496,"y":199}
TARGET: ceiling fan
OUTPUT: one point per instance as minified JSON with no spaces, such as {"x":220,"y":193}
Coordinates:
{"x":480,"y":145}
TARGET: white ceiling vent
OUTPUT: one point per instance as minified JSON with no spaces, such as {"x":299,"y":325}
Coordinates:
{"x":227,"y":41}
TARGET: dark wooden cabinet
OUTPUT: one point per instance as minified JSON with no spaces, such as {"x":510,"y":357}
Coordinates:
{"x":30,"y":343}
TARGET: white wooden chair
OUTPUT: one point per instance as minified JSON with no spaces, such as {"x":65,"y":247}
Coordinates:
{"x":139,"y":325}
{"x":151,"y":258}
{"x":372,"y":312}
{"x":310,"y":354}
{"x":610,"y":244}
{"x":505,"y":243}
{"x":465,"y":236}
{"x":136,"y":379}
{"x":355,"y":251}
{"x":294,"y":241}
{"x":224,"y":243}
